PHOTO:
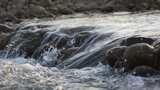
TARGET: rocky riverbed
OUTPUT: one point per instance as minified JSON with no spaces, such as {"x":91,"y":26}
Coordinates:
{"x":117,"y":51}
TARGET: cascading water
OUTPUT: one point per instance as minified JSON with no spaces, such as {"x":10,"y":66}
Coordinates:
{"x":65,"y":54}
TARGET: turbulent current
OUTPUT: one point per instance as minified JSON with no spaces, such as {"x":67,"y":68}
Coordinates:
{"x":82,"y":69}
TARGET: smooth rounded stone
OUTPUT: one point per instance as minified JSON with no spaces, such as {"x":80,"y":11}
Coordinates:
{"x":5,"y":28}
{"x":144,"y":71}
{"x":140,"y":54}
{"x":113,"y":55}
{"x":134,"y":40}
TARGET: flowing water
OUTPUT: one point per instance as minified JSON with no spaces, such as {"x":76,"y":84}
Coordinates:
{"x":81,"y":71}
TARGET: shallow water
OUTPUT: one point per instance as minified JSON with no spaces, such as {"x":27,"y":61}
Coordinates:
{"x":23,"y":74}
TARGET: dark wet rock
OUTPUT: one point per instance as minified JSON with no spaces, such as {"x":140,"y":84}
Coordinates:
{"x":67,"y":45}
{"x":66,"y":53}
{"x":114,"y":55}
{"x":120,"y":65}
{"x":140,"y":54}
{"x":26,"y":41}
{"x":84,"y":60}
{"x":30,"y":46}
{"x":134,"y":40}
{"x":62,"y":42}
{"x":145,"y":71}
{"x":4,"y":38}
{"x":40,"y":50}
{"x":61,"y":54}
{"x":88,"y":59}
{"x":70,"y":50}
{"x":81,"y":37}
{"x":75,"y":30}
{"x":5,"y":28}
{"x":58,"y":40}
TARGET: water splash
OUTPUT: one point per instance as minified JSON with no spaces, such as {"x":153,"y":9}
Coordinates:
{"x":17,"y":73}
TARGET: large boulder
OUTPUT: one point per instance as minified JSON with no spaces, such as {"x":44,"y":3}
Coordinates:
{"x":114,"y":55}
{"x":140,"y":54}
{"x":133,"y":40}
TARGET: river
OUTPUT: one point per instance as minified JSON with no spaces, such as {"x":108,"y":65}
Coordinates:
{"x":19,"y":73}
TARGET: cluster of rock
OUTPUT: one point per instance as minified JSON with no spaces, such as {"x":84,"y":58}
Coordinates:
{"x":137,"y":55}
{"x":14,"y":10}
{"x":37,"y":41}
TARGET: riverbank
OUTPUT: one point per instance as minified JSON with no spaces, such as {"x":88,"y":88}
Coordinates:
{"x":17,"y":10}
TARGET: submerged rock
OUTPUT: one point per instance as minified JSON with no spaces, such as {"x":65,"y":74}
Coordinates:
{"x":75,"y":30}
{"x":26,"y":41}
{"x":134,"y":40}
{"x":145,"y":71}
{"x":81,"y":37}
{"x":69,"y":52}
{"x":140,"y":54}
